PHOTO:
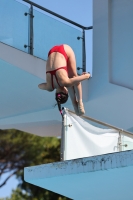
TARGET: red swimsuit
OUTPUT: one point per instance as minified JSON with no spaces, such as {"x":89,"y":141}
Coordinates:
{"x":61,"y":50}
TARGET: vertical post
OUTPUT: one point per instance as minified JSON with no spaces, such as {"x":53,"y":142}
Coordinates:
{"x":31,"y":36}
{"x":63,"y":137}
{"x":83,"y":52}
{"x":120,"y":142}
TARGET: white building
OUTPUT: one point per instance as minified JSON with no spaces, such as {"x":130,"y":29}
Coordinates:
{"x":108,"y":97}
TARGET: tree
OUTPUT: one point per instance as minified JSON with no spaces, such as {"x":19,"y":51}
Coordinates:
{"x":45,"y":195}
{"x":18,"y":150}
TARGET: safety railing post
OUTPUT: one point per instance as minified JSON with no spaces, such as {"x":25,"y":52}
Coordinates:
{"x":31,"y":37}
{"x":30,"y":31}
{"x":83,"y":52}
{"x":119,"y":142}
{"x":63,"y":137}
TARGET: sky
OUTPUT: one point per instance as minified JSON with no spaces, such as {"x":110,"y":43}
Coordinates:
{"x":80,"y":12}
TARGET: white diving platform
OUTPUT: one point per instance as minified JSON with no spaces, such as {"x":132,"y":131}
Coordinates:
{"x":112,"y":180}
{"x":107,"y":96}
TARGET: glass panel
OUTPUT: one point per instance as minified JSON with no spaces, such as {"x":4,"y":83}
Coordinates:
{"x":13,"y":24}
{"x":127,"y":143}
{"x":49,"y":32}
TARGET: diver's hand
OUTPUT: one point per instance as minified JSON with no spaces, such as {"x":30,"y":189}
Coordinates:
{"x":87,"y":74}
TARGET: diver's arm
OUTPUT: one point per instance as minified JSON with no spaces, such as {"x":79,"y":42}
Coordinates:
{"x":69,"y":82}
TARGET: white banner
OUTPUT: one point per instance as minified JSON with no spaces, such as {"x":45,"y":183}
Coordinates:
{"x":83,"y":139}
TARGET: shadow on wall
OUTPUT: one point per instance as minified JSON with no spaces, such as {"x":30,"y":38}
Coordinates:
{"x":130,"y":129}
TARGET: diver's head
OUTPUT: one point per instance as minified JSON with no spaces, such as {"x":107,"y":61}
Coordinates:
{"x":61,"y":98}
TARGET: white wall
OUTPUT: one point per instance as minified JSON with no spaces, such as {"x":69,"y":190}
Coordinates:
{"x":109,"y":102}
{"x":22,"y":60}
{"x":121,"y":42}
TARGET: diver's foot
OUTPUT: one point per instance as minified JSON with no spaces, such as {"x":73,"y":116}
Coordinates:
{"x":81,"y":109}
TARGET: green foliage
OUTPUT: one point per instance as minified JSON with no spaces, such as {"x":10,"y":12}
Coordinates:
{"x":19,"y":195}
{"x":19,"y":150}
{"x":45,"y":195}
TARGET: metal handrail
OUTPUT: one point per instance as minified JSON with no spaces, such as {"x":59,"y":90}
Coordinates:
{"x":71,"y":22}
{"x":127,"y":133}
{"x":57,"y":15}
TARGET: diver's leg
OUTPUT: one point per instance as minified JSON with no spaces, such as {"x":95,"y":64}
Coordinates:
{"x":75,"y":80}
{"x":78,"y":91}
{"x":72,"y":95}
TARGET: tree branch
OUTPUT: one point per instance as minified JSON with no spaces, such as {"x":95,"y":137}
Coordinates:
{"x":4,"y":182}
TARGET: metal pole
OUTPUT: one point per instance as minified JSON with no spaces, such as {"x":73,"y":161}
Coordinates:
{"x":63,"y":138}
{"x":31,"y":37}
{"x":120,"y":142}
{"x":83,"y":52}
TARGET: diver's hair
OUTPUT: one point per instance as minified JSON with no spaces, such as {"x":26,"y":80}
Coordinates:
{"x":61,"y":98}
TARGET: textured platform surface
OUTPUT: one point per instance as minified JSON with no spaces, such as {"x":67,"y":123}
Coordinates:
{"x":102,"y":177}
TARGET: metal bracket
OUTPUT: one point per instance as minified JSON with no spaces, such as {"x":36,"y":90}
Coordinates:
{"x":78,"y":38}
{"x":28,"y":14}
{"x":69,"y":125}
{"x":78,"y":68}
{"x":25,"y":46}
{"x":120,"y":144}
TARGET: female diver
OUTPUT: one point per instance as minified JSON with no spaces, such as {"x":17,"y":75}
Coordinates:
{"x":61,"y":75}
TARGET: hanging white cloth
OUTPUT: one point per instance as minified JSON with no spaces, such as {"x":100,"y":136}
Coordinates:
{"x":83,"y":139}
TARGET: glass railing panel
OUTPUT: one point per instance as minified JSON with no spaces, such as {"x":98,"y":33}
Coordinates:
{"x":49,"y":31}
{"x":13,"y":24}
{"x":127,"y":143}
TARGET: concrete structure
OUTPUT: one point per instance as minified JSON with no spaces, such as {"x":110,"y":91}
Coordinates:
{"x":29,"y":108}
{"x":110,"y":89}
{"x":95,"y":178}
{"x":108,"y":97}
{"x":110,"y":100}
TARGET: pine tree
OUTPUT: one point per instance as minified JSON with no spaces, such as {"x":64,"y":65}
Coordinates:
{"x":18,"y":150}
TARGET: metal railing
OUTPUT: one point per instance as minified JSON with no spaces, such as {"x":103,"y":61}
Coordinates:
{"x":30,"y":45}
{"x":121,"y":132}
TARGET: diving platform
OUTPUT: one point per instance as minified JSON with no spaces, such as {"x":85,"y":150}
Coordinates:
{"x":107,"y":96}
{"x":108,"y":176}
